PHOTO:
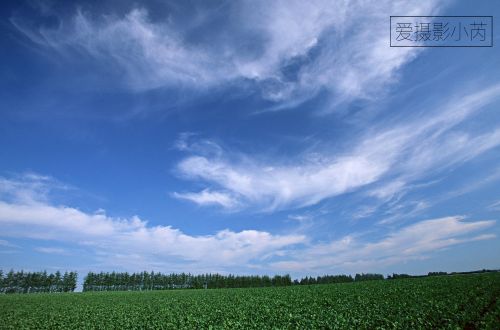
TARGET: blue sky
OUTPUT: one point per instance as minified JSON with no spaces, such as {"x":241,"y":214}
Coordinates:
{"x":250,"y":137}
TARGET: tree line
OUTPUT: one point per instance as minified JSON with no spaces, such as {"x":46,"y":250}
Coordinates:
{"x":116,"y":281}
{"x":35,"y":282}
{"x":398,"y":276}
{"x":326,"y":279}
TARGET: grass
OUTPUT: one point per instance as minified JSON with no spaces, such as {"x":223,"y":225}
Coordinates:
{"x":459,"y":301}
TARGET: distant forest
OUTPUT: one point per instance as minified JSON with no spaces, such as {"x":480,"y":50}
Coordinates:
{"x":39,"y":282}
{"x":158,"y":281}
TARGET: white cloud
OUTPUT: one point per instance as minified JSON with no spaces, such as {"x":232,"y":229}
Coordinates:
{"x":363,"y":212}
{"x":290,"y":49}
{"x":207,"y":197}
{"x":412,"y":242}
{"x":51,"y":250}
{"x":388,"y":191}
{"x":403,"y":153}
{"x":404,"y":210}
{"x":150,"y":55}
{"x":28,"y":187}
{"x":133,"y":244}
{"x":278,"y":186}
{"x":494,"y":206}
{"x":109,"y":236}
{"x":6,"y":243}
{"x":353,"y":60}
{"x":300,"y":217}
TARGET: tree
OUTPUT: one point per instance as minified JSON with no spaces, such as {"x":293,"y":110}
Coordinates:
{"x":368,"y":277}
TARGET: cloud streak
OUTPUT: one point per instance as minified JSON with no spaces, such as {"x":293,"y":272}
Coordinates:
{"x":207,"y":197}
{"x":413,"y":242}
{"x":401,"y":153}
{"x":133,"y":244}
{"x":290,"y":50}
{"x":109,"y":236}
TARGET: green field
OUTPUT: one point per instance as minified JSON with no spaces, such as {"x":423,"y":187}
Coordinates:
{"x":459,"y":301}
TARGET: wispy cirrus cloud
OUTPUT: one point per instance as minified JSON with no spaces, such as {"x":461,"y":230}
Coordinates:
{"x":131,"y":243}
{"x":207,"y":197}
{"x":109,"y":237}
{"x":391,"y":156}
{"x":290,"y":50}
{"x":7,"y":244}
{"x":494,"y":206}
{"x":29,"y":186}
{"x":412,"y":242}
{"x":52,"y":250}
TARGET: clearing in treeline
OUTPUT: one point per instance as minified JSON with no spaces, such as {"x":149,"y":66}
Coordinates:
{"x":458,"y":301}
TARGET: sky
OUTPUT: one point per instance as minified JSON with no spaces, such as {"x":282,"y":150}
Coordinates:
{"x":247,"y":137}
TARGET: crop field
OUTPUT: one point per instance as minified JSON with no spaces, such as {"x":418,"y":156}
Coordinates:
{"x":459,"y":301}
